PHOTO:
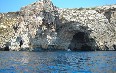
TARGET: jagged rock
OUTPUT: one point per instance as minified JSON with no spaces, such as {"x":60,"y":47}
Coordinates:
{"x":43,"y":25}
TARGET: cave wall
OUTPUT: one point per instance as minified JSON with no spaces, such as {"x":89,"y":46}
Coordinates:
{"x":68,"y":37}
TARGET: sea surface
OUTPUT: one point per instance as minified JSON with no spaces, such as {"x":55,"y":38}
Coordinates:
{"x":58,"y":62}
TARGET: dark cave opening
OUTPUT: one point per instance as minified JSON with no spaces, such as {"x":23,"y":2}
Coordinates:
{"x":21,"y":43}
{"x":6,"y":48}
{"x":79,"y":37}
{"x":86,"y":47}
{"x":80,"y":42}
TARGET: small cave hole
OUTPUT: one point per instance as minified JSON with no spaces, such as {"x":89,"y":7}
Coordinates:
{"x":6,"y":48}
{"x":21,"y":43}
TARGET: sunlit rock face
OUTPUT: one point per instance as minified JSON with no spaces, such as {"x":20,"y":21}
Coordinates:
{"x":43,"y":25}
{"x":98,"y":24}
{"x":36,"y":26}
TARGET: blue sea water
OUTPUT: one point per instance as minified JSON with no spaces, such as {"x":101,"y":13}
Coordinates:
{"x":58,"y":62}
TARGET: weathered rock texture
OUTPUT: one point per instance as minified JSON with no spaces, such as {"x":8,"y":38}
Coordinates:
{"x":43,"y":25}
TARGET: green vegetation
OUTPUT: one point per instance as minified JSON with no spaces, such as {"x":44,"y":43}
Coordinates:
{"x":81,"y":8}
{"x":93,"y":8}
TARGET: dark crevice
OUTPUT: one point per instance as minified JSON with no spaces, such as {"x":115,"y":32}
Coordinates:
{"x":108,"y":15}
{"x":21,"y":43}
{"x":114,"y":46}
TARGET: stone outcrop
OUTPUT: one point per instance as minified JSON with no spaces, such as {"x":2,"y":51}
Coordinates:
{"x":43,"y":25}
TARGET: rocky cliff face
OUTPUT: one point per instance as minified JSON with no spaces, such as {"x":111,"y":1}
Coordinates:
{"x":43,"y":25}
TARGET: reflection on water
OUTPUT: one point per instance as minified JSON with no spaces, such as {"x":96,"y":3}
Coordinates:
{"x":58,"y":62}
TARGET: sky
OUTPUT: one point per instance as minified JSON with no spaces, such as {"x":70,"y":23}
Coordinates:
{"x":15,"y":5}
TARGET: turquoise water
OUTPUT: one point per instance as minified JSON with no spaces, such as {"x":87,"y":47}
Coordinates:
{"x":58,"y":62}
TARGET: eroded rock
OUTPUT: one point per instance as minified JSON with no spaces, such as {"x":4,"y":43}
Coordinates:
{"x":43,"y":25}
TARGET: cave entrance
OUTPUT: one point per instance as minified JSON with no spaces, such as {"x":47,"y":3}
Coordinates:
{"x":21,"y":43}
{"x":6,"y":48}
{"x":80,"y":42}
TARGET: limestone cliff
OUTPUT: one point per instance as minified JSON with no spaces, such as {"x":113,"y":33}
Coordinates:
{"x":43,"y":25}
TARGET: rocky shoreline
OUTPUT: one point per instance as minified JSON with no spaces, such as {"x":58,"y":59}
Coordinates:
{"x":43,"y":25}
